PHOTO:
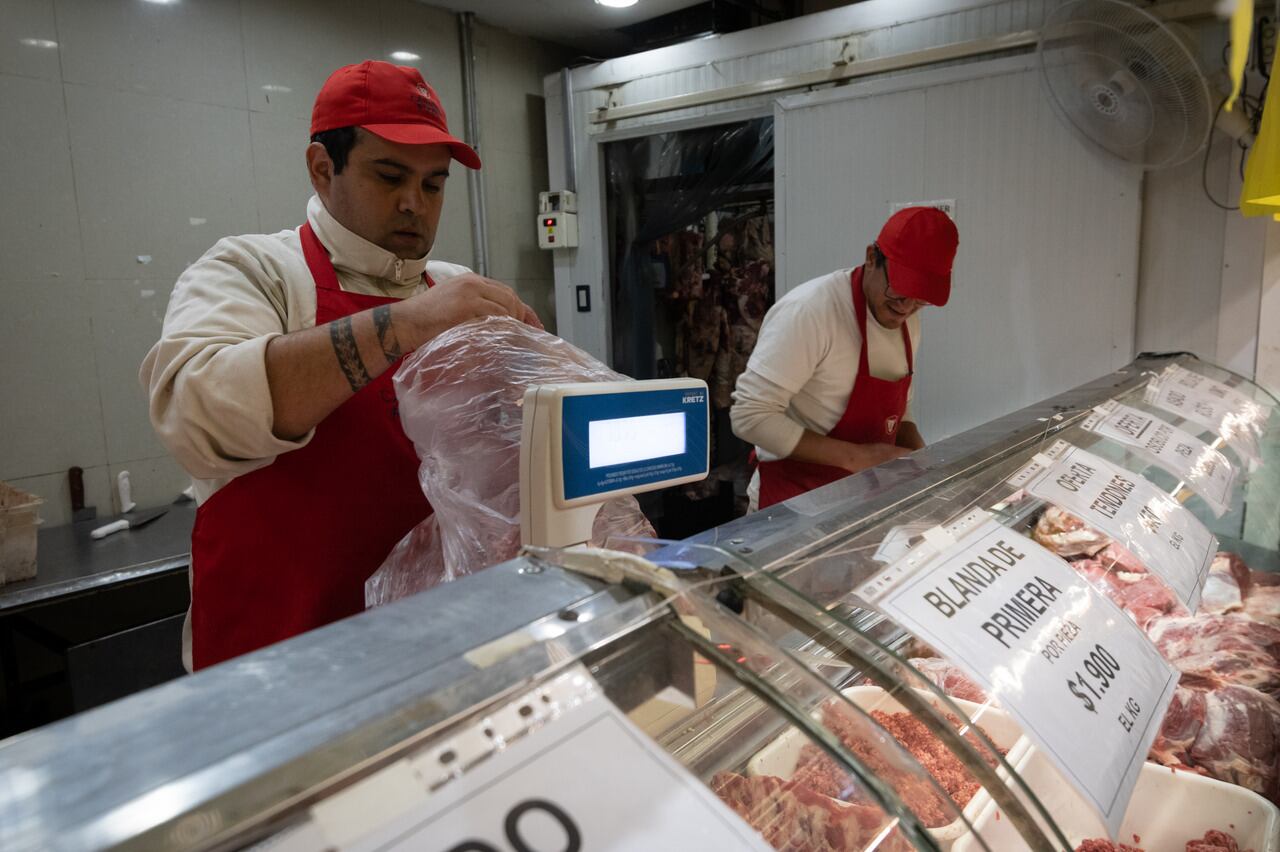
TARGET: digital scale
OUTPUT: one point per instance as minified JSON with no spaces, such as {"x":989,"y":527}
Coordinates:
{"x":585,"y":444}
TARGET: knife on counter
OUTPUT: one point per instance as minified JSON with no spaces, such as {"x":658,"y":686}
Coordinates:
{"x":131,"y":520}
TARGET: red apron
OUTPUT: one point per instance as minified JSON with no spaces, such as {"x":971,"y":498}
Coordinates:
{"x":872,"y":416}
{"x":287,"y":548}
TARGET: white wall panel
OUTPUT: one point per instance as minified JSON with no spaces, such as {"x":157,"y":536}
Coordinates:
{"x":1193,"y":293}
{"x":139,"y":130}
{"x":866,"y":30}
{"x":1046,"y":278}
{"x":683,"y":69}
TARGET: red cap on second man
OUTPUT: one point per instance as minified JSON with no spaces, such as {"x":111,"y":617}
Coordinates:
{"x":919,"y":245}
{"x":392,"y":101}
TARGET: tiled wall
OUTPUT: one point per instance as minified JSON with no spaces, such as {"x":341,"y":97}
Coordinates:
{"x":134,"y":134}
{"x":513,"y":133}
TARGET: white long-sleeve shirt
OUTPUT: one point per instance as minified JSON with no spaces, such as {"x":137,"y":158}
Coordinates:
{"x":801,"y":372}
{"x":207,"y":376}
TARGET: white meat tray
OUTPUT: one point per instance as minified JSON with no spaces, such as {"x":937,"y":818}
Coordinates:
{"x":1167,"y":809}
{"x":779,"y":757}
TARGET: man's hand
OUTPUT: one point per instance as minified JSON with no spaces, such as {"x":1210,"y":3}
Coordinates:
{"x":313,"y":371}
{"x":822,"y":449}
{"x":856,"y":457}
{"x":909,"y":436}
{"x":418,"y":319}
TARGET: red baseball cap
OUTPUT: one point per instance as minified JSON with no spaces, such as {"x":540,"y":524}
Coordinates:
{"x":919,"y":245}
{"x":391,"y":101}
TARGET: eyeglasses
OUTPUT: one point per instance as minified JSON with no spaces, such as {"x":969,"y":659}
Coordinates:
{"x":890,"y":296}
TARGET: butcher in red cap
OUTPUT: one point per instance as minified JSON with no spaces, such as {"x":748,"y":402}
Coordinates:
{"x":827,"y":391}
{"x":271,"y":382}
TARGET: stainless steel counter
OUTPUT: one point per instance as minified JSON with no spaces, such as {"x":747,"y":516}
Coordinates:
{"x":106,"y":776}
{"x":69,"y":563}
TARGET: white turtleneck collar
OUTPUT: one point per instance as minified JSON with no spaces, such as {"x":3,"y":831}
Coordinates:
{"x":352,"y":253}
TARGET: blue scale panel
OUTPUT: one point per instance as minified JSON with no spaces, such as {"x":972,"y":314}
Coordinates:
{"x":633,"y":439}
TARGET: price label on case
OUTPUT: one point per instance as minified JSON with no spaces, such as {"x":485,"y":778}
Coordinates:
{"x":572,"y":784}
{"x":1170,"y":541}
{"x":1080,"y":677}
{"x":1212,"y":406}
{"x":1208,"y":472}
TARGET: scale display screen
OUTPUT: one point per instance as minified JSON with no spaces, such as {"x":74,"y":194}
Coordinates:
{"x":633,"y":439}
{"x":616,"y":441}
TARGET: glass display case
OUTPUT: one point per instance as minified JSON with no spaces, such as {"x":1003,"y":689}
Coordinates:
{"x":1056,"y":631}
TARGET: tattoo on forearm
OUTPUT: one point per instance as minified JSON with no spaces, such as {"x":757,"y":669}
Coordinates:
{"x":386,"y":335}
{"x":344,"y":344}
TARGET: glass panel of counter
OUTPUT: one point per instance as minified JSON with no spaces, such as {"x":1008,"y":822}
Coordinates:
{"x":1144,"y":621}
{"x":685,"y":724}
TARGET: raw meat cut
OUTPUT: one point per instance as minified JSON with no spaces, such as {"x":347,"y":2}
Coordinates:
{"x":1066,"y":535}
{"x":1116,"y":573}
{"x":701,"y":334}
{"x":1222,"y":730}
{"x":949,"y":678}
{"x":1235,"y":587}
{"x":1231,"y":648}
{"x":1227,"y":586}
{"x":757,"y":237}
{"x":816,"y":770}
{"x":1228,"y":732}
{"x":1263,"y":578}
{"x":1119,"y":558}
{"x":747,"y":294}
{"x":793,"y":818}
{"x":1263,"y":604}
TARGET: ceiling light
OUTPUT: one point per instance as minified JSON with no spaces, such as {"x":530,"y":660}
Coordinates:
{"x":272,"y":87}
{"x":39,"y":42}
{"x":162,"y":2}
{"x":406,"y":56}
{"x":617,"y":4}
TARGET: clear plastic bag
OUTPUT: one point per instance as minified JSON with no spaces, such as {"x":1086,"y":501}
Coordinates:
{"x":460,"y":399}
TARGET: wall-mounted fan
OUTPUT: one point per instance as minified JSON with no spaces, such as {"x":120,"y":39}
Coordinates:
{"x":1125,"y":81}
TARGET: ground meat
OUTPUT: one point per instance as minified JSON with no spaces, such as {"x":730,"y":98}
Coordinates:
{"x":1214,"y":841}
{"x":932,"y":754}
{"x":793,"y":818}
{"x":1104,"y":845}
{"x":816,"y":770}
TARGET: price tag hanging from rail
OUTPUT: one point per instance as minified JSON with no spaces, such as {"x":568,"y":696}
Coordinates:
{"x":1169,"y":540}
{"x":1213,"y":406}
{"x":1205,"y":470}
{"x":1080,"y":678}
